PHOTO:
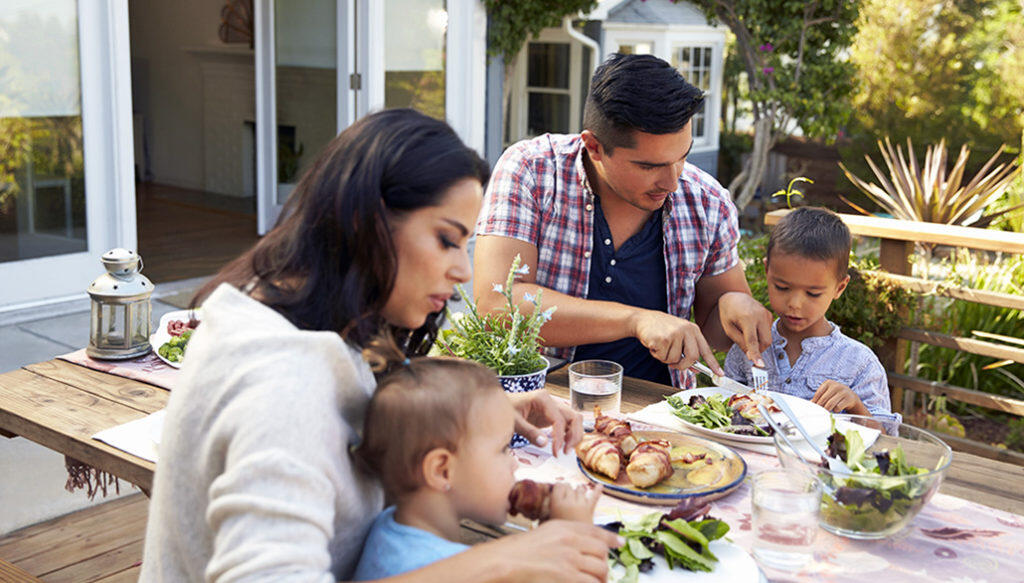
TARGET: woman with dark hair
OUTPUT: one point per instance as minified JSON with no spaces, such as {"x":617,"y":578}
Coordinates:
{"x":255,"y":482}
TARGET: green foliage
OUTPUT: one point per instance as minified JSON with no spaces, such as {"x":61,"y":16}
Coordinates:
{"x":962,"y":318}
{"x":869,"y":309}
{"x":932,"y":69}
{"x":791,"y":53}
{"x":790,"y":193}
{"x":507,"y":341}
{"x":510,"y":24}
{"x":933,"y":192}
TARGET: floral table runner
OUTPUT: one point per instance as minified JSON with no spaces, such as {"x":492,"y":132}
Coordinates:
{"x":950,"y":540}
{"x":148,"y":369}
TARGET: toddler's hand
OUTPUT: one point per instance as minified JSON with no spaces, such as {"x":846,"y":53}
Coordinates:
{"x":574,"y":503}
{"x":837,"y":397}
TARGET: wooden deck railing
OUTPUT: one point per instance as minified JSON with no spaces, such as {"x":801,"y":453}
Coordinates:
{"x":897,"y":241}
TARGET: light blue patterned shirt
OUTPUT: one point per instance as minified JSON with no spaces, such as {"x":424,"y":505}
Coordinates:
{"x":393,"y":548}
{"x":834,"y":357}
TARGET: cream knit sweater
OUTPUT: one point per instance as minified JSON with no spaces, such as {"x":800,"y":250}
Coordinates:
{"x":254,"y":481}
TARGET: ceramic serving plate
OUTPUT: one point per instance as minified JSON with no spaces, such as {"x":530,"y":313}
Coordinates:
{"x":813,"y":417}
{"x":734,"y":565}
{"x":161,"y":336}
{"x":694,"y":483}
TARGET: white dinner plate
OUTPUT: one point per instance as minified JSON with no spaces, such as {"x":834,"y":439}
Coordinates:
{"x":814,"y":418}
{"x":734,"y":565}
{"x":160,"y":336}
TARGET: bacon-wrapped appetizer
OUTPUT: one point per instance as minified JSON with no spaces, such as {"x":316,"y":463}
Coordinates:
{"x":600,"y":454}
{"x":619,"y":431}
{"x":650,"y":463}
{"x":531,"y":499}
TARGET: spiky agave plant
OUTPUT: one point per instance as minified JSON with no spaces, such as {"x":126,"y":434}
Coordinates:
{"x":932,"y":192}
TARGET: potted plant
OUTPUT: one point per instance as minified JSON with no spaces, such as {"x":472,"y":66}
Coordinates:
{"x":506,"y":341}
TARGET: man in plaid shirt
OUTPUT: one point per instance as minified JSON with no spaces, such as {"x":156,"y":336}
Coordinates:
{"x":623,"y":236}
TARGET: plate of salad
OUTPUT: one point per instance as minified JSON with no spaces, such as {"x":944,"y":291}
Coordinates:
{"x":171,"y":337}
{"x":661,"y":548}
{"x":722,"y":414}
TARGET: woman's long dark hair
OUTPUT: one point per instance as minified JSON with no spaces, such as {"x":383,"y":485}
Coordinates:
{"x":330,"y":262}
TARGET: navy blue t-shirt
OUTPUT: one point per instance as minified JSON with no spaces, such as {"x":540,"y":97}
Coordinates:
{"x":633,"y":275}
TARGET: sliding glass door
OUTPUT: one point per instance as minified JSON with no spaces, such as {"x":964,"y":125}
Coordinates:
{"x":66,"y":185}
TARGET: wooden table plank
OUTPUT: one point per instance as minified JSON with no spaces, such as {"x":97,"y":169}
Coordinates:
{"x":63,"y":418}
{"x":128,"y":392}
{"x":992,"y":483}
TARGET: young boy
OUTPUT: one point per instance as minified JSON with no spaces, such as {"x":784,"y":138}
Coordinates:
{"x":806,"y":267}
{"x":437,"y":434}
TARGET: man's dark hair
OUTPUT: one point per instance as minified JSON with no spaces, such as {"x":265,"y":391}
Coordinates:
{"x":637,"y":93}
{"x":813,"y":233}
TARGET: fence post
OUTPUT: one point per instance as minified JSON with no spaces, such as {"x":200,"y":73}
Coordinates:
{"x":894,"y":257}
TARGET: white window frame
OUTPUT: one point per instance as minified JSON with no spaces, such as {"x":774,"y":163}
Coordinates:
{"x":664,"y":40}
{"x":107,"y":136}
{"x":520,"y":102}
{"x":465,"y":82}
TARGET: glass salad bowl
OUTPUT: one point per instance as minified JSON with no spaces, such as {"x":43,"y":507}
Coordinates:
{"x":896,"y":469}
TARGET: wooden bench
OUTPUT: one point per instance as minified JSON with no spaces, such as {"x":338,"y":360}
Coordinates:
{"x":897,"y":244}
{"x":99,"y":544}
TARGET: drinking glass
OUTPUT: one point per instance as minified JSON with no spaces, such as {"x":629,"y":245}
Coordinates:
{"x":785,"y":518}
{"x":595,"y":382}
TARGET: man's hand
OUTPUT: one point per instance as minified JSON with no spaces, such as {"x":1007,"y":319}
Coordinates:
{"x":747,"y":323}
{"x":574,"y":502}
{"x":536,"y":410}
{"x":674,"y":341}
{"x":836,"y":397}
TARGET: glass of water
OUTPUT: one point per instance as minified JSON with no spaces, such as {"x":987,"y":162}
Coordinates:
{"x":785,"y":518}
{"x":595,"y":382}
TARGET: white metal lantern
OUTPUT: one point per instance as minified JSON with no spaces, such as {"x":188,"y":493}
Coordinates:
{"x":120,"y":322}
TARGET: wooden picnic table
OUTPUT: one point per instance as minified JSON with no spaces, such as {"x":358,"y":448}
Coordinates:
{"x":60,"y":405}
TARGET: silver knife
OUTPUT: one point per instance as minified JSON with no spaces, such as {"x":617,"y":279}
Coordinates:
{"x":722,"y":381}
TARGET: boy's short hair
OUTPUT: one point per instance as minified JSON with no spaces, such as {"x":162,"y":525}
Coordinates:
{"x":418,"y":407}
{"x":813,"y":233}
{"x":637,"y":93}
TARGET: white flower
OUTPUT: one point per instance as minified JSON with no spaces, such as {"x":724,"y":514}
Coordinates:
{"x":546,"y":314}
{"x":524,"y":270}
{"x":529,"y":297}
{"x":498,"y":288}
{"x":513,"y":350}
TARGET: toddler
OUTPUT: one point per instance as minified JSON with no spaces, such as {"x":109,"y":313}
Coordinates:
{"x":806,"y":267}
{"x":437,"y":434}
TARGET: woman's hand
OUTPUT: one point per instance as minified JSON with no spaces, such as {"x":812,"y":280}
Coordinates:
{"x":536,"y":410}
{"x":559,"y":550}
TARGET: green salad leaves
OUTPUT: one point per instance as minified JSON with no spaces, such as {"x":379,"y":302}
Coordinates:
{"x":682,"y":543}
{"x":880,"y":494}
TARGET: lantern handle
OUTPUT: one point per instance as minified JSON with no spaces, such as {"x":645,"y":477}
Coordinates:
{"x":140,"y":264}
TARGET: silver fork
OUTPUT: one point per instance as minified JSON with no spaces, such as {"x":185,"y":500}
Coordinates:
{"x":760,"y":377}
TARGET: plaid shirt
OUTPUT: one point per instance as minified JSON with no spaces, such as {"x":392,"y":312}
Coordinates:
{"x":539,"y":194}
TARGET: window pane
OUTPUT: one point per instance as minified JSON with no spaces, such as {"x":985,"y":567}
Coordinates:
{"x":42,"y":171}
{"x":694,"y":64}
{"x":414,"y":55}
{"x":548,"y":65}
{"x":548,"y":113}
{"x":636,"y":49}
{"x":306,"y":85}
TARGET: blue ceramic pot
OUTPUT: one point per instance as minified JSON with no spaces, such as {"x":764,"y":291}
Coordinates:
{"x":522,"y":383}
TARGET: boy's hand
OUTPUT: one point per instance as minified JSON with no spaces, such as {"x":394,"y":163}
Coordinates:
{"x":574,"y":503}
{"x":838,"y":398}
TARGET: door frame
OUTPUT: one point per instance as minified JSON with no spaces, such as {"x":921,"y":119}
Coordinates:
{"x":108,"y":144}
